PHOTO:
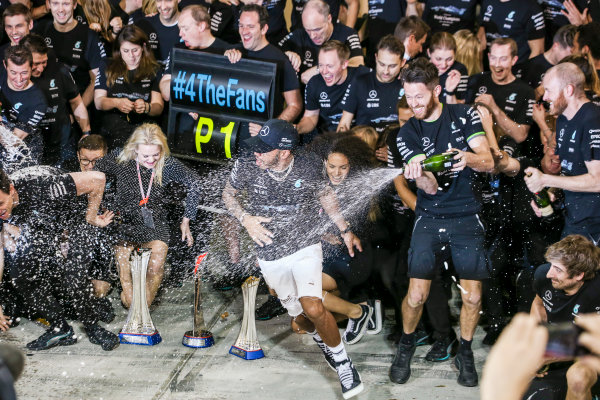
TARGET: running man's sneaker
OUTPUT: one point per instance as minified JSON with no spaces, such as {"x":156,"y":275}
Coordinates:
{"x":326,"y":352}
{"x":400,"y":370}
{"x":270,"y":309}
{"x":349,"y":379}
{"x":53,"y":337}
{"x":98,"y":335}
{"x":376,"y":321}
{"x":467,"y":375}
{"x":442,"y":349}
{"x":357,"y":327}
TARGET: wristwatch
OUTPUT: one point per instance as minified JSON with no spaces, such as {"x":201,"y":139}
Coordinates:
{"x":347,"y":228}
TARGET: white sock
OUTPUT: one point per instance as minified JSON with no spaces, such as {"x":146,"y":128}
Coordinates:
{"x":339,"y":352}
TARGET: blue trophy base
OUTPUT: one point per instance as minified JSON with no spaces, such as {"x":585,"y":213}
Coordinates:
{"x":204,"y":340}
{"x":140,"y":338}
{"x":246,"y":354}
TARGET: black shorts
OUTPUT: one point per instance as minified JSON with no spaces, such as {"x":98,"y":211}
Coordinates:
{"x":464,"y":236}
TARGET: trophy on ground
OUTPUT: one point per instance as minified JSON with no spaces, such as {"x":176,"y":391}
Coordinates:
{"x":138,"y":328}
{"x":246,"y":345}
{"x":199,"y":337}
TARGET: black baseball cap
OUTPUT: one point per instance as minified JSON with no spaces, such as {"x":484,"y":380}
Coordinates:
{"x":275,"y":134}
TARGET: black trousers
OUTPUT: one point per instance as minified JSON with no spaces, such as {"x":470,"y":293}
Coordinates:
{"x":50,"y":286}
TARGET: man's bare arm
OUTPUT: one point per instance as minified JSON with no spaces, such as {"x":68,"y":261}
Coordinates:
{"x":308,"y":122}
{"x":80,"y":113}
{"x":293,"y":107}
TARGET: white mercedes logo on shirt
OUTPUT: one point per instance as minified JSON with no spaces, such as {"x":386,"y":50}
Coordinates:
{"x":426,"y":141}
{"x":373,"y":94}
{"x":323,"y":95}
{"x":482,"y":90}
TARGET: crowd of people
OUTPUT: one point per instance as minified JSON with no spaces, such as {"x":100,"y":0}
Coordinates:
{"x":506,"y":93}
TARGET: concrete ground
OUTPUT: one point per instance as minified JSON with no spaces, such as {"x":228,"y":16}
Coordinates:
{"x":292,"y":369}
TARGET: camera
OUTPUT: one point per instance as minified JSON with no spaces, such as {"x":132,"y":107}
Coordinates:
{"x":563,"y":341}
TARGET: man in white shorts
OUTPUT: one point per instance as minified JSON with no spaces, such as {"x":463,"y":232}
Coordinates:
{"x":285,"y":194}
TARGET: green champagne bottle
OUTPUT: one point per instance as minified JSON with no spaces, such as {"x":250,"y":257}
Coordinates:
{"x":439,"y":162}
{"x":542,"y":200}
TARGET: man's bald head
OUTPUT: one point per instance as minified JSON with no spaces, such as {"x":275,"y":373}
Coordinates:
{"x":567,"y":74}
{"x":318,"y":6}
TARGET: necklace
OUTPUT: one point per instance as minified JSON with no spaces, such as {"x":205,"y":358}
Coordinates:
{"x":285,"y":172}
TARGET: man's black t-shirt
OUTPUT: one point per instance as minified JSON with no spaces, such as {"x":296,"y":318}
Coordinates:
{"x":372,"y":102}
{"x":535,"y":70}
{"x":223,"y":21}
{"x":457,"y":192}
{"x":519,"y":20}
{"x":461,"y":89}
{"x":450,"y":15}
{"x":79,"y":49}
{"x":395,"y":161}
{"x":563,"y":308}
{"x":217,"y":47}
{"x":292,"y":204}
{"x":578,"y":141}
{"x":388,"y":10}
{"x":553,"y":17}
{"x":299,"y":42}
{"x":161,"y":38}
{"x":328,"y":99}
{"x":516,"y":98}
{"x":59,"y":88}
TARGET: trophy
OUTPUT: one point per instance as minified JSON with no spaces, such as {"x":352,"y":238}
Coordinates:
{"x":246,"y":346}
{"x":199,"y":337}
{"x":138,"y":328}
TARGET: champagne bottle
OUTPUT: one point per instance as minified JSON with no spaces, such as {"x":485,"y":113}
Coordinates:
{"x":439,"y":162}
{"x":542,"y":200}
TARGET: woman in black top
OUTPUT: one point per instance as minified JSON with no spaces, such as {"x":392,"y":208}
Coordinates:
{"x":127,"y":89}
{"x":142,"y":170}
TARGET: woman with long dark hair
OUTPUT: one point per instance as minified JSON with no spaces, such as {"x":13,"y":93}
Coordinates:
{"x":127,"y":89}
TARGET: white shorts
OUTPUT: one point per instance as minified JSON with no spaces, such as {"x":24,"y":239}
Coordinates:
{"x":295,"y":276}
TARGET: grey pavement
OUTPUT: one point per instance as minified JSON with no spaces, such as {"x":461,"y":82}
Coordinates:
{"x":292,"y":369}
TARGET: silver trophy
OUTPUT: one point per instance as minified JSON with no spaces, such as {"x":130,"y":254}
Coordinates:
{"x":199,"y":337}
{"x":246,"y":346}
{"x":138,"y":328}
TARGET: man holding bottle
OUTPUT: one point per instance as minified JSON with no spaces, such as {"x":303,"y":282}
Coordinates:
{"x":446,"y":210}
{"x":577,"y":150}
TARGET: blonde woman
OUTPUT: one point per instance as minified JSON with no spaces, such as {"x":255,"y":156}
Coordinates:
{"x":469,"y":51}
{"x":142,"y":169}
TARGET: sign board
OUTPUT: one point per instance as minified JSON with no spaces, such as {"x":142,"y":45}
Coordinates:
{"x":222,"y":96}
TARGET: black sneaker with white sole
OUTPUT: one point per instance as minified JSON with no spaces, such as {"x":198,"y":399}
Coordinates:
{"x":326,"y":352}
{"x":53,"y":337}
{"x":376,"y":321}
{"x":357,"y":327}
{"x":349,"y":379}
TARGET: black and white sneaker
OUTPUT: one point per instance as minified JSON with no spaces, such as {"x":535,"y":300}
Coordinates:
{"x":349,"y":379}
{"x":357,"y":327}
{"x":376,"y":321}
{"x":326,"y":352}
{"x":53,"y":337}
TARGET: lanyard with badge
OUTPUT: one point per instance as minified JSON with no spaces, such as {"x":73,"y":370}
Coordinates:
{"x":146,"y":212}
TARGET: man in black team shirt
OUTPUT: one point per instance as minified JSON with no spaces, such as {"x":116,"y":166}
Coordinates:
{"x":371,"y":99}
{"x":510,"y":99}
{"x":562,"y":46}
{"x":567,"y":287}
{"x":59,"y":88}
{"x":447,"y":210}
{"x":449,"y":16}
{"x":23,"y":103}
{"x":522,"y":21}
{"x":334,"y":5}
{"x":162,"y":28}
{"x":17,"y":24}
{"x":324,"y":92}
{"x":33,"y":209}
{"x":75,"y":45}
{"x":302,"y":45}
{"x":284,"y":196}
{"x":253,"y":29}
{"x":577,"y":148}
{"x":194,"y":30}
